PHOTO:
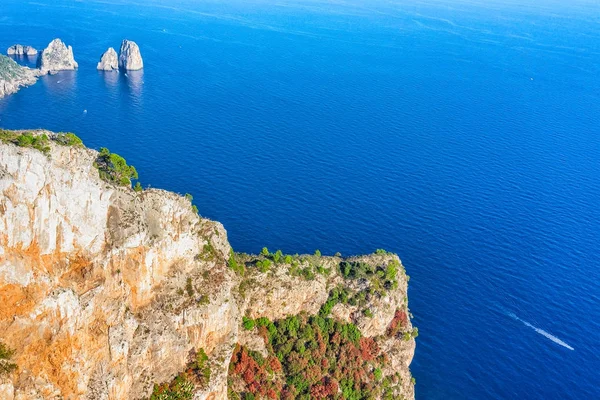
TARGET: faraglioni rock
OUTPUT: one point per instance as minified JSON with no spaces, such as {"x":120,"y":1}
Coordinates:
{"x":13,"y":76}
{"x":56,"y":57}
{"x":106,"y":291}
{"x":130,"y":57}
{"x":19,"y":50}
{"x":109,"y":61}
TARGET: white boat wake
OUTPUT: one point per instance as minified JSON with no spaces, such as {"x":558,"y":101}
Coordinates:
{"x":542,"y":332}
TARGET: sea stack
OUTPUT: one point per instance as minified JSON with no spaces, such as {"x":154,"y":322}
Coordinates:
{"x":19,"y":50}
{"x":130,"y":58}
{"x":109,"y":61}
{"x":56,"y":57}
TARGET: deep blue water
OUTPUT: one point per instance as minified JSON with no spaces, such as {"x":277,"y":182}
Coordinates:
{"x":462,"y":135}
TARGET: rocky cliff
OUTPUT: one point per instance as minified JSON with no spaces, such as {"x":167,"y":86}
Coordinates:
{"x":20,"y":50}
{"x":109,"y":61}
{"x":106,"y":291}
{"x":13,"y":76}
{"x":130,"y":57}
{"x":56,"y":57}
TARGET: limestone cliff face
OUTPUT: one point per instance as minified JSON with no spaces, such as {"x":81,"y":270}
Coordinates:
{"x":105,"y":291}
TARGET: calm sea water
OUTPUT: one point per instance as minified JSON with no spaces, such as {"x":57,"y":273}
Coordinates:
{"x":462,"y":135}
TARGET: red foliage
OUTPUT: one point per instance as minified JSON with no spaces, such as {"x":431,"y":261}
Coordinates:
{"x":399,"y":321}
{"x":274,"y":364}
{"x":368,"y":349}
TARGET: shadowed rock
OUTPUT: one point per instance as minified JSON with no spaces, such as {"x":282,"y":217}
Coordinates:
{"x":109,"y":61}
{"x":130,"y":57}
{"x":19,"y":50}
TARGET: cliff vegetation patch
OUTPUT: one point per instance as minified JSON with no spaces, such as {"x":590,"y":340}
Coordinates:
{"x":310,"y":357}
{"x":6,"y":365}
{"x":113,"y":168}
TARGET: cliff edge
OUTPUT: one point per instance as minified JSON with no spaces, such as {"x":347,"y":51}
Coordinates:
{"x":107,"y":292}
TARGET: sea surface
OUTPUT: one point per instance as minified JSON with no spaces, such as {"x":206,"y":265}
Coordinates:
{"x":463,"y":135}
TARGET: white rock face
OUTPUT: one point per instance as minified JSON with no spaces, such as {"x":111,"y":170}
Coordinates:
{"x":130,"y":57}
{"x":13,"y":76}
{"x":57,"y":57}
{"x":19,"y":50}
{"x":109,"y":61}
{"x":90,"y":280}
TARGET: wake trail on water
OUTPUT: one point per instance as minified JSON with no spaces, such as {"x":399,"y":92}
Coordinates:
{"x":541,"y":332}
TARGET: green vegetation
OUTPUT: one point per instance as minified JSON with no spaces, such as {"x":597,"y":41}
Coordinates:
{"x":317,"y":253}
{"x":234,"y":265}
{"x":68,"y":139}
{"x":248,"y":323}
{"x":310,"y":358}
{"x":381,"y":277}
{"x":6,"y":365}
{"x":198,"y":373}
{"x":39,"y":142}
{"x":189,"y":288}
{"x":180,"y":389}
{"x":26,"y":139}
{"x":113,"y":168}
{"x":204,"y":299}
{"x":263,"y":265}
{"x":138,"y":187}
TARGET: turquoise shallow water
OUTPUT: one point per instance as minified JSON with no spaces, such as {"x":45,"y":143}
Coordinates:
{"x":461,"y":135}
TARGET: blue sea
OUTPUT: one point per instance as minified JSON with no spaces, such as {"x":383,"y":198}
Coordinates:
{"x":463,"y":135}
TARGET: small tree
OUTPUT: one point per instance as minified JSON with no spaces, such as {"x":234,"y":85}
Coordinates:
{"x":6,"y":365}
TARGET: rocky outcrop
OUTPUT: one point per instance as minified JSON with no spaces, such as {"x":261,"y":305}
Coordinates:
{"x":13,"y":76}
{"x":20,"y":50}
{"x":56,"y":57}
{"x":109,"y":61}
{"x":105,"y":291}
{"x":130,"y":57}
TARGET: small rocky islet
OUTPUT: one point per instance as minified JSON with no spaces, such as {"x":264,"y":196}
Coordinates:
{"x":57,"y":56}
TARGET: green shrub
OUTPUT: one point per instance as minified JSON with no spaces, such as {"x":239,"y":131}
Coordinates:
{"x":234,"y":265}
{"x":377,"y":373}
{"x":68,"y":139}
{"x":180,"y":389}
{"x":381,"y":251}
{"x":248,"y":323}
{"x":113,"y":168}
{"x":264,"y":252}
{"x":204,"y":299}
{"x":189,"y":288}
{"x":264,"y":265}
{"x":277,"y":256}
{"x":317,"y":253}
{"x":6,"y":365}
{"x":138,"y":187}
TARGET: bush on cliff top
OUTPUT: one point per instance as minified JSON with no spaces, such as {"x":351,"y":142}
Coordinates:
{"x":113,"y":168}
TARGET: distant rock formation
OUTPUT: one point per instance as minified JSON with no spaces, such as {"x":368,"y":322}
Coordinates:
{"x":109,"y":61}
{"x":130,"y":57}
{"x":13,"y":76}
{"x":56,"y":57}
{"x":19,"y":50}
